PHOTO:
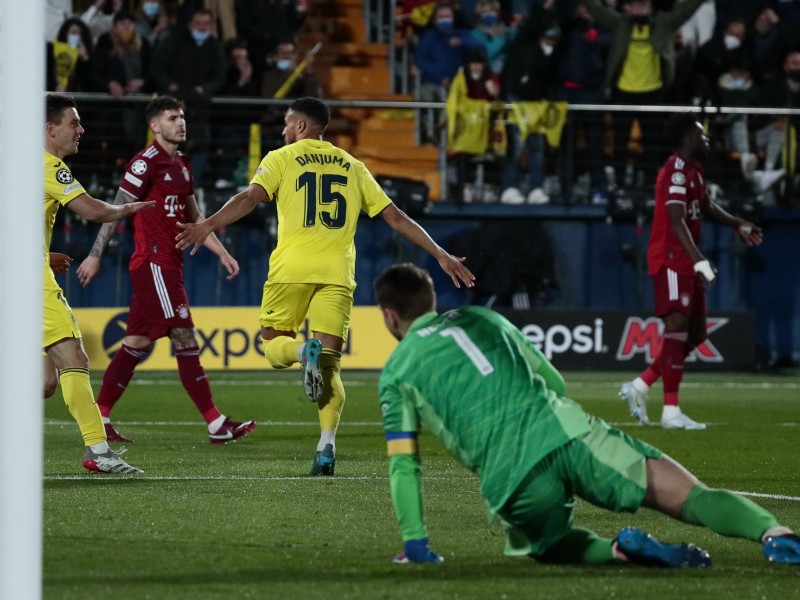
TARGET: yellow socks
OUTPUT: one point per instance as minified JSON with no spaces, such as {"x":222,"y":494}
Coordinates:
{"x":332,"y":401}
{"x":281,"y":352}
{"x":79,"y":398}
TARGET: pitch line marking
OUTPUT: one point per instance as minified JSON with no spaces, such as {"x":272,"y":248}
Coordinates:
{"x":307,"y":478}
{"x":61,"y":423}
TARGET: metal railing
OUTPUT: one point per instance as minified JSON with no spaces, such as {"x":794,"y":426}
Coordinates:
{"x":108,"y":142}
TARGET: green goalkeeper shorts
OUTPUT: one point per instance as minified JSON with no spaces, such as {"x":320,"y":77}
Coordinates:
{"x":605,"y":466}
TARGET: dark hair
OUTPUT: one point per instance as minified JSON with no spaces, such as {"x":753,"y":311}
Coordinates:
{"x":407,"y":289}
{"x":163,"y":103}
{"x":86,"y":33}
{"x":55,"y":104}
{"x":678,"y":126}
{"x":201,"y":11}
{"x":314,"y":108}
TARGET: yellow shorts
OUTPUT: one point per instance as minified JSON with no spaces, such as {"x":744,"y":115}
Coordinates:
{"x":59,"y":322}
{"x":284,"y":306}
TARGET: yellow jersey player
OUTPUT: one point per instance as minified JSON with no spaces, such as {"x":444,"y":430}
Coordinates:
{"x":62,"y":342}
{"x":320,"y":190}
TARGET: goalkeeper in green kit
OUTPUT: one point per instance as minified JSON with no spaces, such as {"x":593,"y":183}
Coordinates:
{"x":498,"y":405}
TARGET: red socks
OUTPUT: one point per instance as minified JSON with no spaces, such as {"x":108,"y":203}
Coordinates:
{"x":117,"y":376}
{"x":671,"y":358}
{"x":195,"y":382}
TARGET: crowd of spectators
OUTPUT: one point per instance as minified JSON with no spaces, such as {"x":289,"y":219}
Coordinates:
{"x":630,"y":52}
{"x":625,"y":52}
{"x":191,"y":49}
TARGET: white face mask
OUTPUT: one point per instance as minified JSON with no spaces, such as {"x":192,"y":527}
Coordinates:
{"x":547,"y":49}
{"x":731,"y":42}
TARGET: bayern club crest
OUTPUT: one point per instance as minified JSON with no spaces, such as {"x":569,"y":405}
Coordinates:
{"x":183,"y":311}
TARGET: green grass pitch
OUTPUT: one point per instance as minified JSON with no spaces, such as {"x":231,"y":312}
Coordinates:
{"x":244,"y":520}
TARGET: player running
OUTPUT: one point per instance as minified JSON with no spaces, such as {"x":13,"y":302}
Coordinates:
{"x":498,"y":405}
{"x":65,"y":356}
{"x":159,"y":306}
{"x":320,"y":190}
{"x":680,"y":271}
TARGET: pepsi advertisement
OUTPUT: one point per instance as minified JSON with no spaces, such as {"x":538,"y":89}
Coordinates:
{"x":619,"y":340}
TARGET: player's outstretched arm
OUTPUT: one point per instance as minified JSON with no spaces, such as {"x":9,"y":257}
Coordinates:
{"x":90,"y":266}
{"x":414,"y":233}
{"x":749,"y":232}
{"x":240,"y":205}
{"x":405,"y":471}
{"x":212,"y":242}
{"x":98,"y":211}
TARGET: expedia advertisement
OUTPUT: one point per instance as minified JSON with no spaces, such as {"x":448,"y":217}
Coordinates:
{"x":230,"y":338}
{"x":619,"y":340}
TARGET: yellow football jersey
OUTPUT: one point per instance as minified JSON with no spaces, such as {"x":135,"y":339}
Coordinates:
{"x":60,"y":188}
{"x":641,"y":71}
{"x":320,"y":190}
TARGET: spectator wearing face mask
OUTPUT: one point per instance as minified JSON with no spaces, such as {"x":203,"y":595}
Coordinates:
{"x":735,"y":87}
{"x":712,"y":60}
{"x":783,"y":92}
{"x":481,"y":84}
{"x":263,"y":23}
{"x":153,"y":21}
{"x":190,"y":64}
{"x":492,"y":33}
{"x":72,"y":57}
{"x":440,"y":52}
{"x":528,"y":76}
{"x":280,"y":65}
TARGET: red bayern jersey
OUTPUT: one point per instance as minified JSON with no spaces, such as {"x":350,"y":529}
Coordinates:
{"x":153,"y":175}
{"x":678,"y":181}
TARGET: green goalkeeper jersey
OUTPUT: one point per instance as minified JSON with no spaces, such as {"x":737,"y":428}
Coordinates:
{"x":484,"y":390}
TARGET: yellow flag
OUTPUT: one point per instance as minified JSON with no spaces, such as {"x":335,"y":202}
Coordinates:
{"x":467,"y":119}
{"x":290,"y":81}
{"x":66,"y":57}
{"x":789,"y":150}
{"x":541,"y":117}
{"x":254,"y":149}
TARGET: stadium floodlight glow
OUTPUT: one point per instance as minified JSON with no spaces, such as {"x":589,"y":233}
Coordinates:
{"x":22,"y":62}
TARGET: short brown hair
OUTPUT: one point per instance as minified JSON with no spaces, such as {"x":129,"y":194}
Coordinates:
{"x":55,"y":104}
{"x":406,"y":289}
{"x":161,"y":104}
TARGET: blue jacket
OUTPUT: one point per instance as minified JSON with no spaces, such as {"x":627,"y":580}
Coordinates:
{"x":436,"y":59}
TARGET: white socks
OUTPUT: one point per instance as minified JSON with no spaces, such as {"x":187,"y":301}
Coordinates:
{"x":327,"y":437}
{"x":670,"y":412}
{"x":214,"y":426}
{"x":640,"y":386}
{"x":100,"y":448}
{"x":776,"y":531}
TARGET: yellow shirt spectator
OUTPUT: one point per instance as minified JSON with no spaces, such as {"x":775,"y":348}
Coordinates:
{"x":641,"y":70}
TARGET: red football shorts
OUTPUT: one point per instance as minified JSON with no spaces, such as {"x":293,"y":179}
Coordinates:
{"x":159,"y":302}
{"x":679,"y":293}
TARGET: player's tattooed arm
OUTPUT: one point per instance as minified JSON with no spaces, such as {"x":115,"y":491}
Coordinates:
{"x":107,"y":229}
{"x":90,"y":266}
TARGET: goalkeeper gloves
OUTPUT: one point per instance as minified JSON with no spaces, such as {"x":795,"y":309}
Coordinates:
{"x":704,"y":268}
{"x":417,"y":551}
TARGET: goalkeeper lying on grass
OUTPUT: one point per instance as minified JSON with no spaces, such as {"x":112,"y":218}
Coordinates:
{"x":497,"y":405}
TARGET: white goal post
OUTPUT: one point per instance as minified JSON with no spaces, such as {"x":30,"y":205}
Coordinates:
{"x":22,"y":77}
